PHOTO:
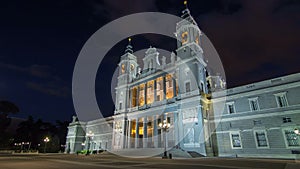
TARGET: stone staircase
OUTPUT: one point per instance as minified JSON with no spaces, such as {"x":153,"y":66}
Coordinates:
{"x":195,"y":154}
{"x":138,"y":152}
{"x":156,"y":152}
{"x":179,"y":153}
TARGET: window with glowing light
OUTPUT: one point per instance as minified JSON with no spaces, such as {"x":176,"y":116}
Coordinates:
{"x":141,"y":129}
{"x":169,"y":87}
{"x":134,"y":96}
{"x":133,"y":127}
{"x":150,"y":92}
{"x":142,"y":95}
{"x":149,"y":129}
{"x":159,"y":89}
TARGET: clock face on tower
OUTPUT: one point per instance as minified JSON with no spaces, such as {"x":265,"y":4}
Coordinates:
{"x":184,"y":37}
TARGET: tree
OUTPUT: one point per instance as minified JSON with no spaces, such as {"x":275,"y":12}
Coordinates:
{"x":6,"y":108}
{"x":26,"y":131}
{"x":34,"y":132}
{"x":62,"y":132}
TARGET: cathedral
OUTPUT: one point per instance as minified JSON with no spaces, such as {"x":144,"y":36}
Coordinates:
{"x":183,"y":109}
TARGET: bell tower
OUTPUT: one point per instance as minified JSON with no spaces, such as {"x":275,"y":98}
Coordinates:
{"x":188,"y":35}
{"x":190,"y":53}
{"x":127,"y":72}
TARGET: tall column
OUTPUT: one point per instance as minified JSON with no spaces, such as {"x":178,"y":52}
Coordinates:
{"x":138,"y":96}
{"x":130,"y":98}
{"x":137,"y":133}
{"x":165,"y":117}
{"x":129,"y":134}
{"x":123,"y":133}
{"x":145,"y":93}
{"x":164,"y":87}
{"x":180,"y":128}
{"x":179,"y":82}
{"x":155,"y":92}
{"x":113,"y":135}
{"x":145,"y":134}
{"x":176,"y":132}
{"x":155,"y":136}
{"x":174,"y":86}
{"x":201,"y":129}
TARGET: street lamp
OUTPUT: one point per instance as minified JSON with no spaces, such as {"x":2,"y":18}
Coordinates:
{"x":89,"y":135}
{"x":82,"y":144}
{"x":46,"y":140}
{"x":165,"y":125}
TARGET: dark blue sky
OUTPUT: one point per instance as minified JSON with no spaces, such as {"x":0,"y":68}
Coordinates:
{"x":40,"y":42}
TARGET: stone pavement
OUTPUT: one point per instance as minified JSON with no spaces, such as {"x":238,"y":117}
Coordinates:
{"x":109,"y":161}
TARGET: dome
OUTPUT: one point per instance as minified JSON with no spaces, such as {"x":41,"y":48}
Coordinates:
{"x":151,"y":50}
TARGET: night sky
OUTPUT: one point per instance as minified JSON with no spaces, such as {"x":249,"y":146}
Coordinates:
{"x":40,"y":42}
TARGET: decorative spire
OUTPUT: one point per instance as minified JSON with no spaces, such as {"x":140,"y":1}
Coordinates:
{"x":186,"y":11}
{"x":185,"y":3}
{"x":129,"y":47}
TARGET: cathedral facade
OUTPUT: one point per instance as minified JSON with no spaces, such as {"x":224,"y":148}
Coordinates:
{"x":170,"y":106}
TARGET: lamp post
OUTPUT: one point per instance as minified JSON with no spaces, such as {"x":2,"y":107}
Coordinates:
{"x":22,"y":145}
{"x":46,"y":140}
{"x":89,"y":135}
{"x":83,"y":145}
{"x":165,"y":125}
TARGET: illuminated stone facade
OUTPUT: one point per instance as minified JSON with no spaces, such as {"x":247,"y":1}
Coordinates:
{"x":174,"y":91}
{"x":258,"y":120}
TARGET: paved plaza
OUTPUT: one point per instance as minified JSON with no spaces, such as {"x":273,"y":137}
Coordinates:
{"x":106,"y":160}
